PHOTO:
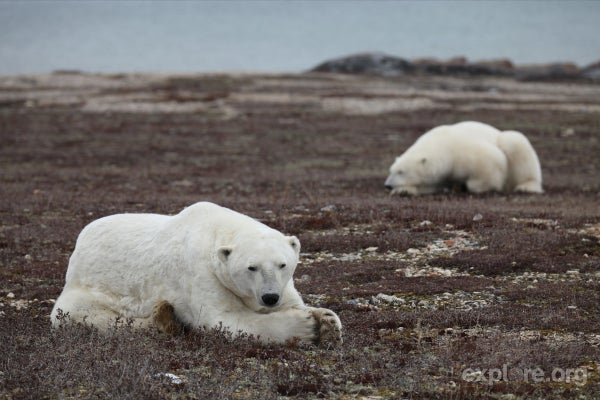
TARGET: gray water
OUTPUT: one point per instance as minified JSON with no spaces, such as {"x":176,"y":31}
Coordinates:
{"x":286,"y":36}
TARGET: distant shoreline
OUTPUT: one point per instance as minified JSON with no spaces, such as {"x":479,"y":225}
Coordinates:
{"x":385,"y":65}
{"x":388,"y":65}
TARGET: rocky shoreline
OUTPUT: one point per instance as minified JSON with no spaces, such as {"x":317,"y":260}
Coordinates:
{"x":388,"y":65}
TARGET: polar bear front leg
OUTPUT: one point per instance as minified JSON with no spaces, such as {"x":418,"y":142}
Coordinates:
{"x":312,"y":325}
{"x":493,"y":183}
{"x":278,"y":326}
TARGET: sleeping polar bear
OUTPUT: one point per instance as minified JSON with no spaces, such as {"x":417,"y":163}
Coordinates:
{"x":204,"y":267}
{"x":472,"y":154}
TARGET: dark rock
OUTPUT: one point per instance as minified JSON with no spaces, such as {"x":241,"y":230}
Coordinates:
{"x":548,"y":72}
{"x":366,"y":63}
{"x":68,"y":72}
{"x":430,"y":65}
{"x":501,"y":66}
{"x":460,"y":66}
{"x":592,"y":72}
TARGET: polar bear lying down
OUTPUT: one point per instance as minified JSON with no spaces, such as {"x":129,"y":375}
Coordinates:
{"x":204,"y":267}
{"x":471,"y":154}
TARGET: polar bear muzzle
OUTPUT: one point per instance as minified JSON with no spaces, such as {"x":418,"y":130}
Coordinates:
{"x":270,"y":299}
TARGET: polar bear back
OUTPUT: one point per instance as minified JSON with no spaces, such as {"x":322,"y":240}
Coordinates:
{"x":461,"y":133}
{"x":457,"y":146}
{"x":110,"y":238}
{"x":121,"y":245}
{"x":225,"y":224}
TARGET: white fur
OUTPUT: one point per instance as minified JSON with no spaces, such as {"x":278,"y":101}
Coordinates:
{"x":471,"y":153}
{"x":197,"y":260}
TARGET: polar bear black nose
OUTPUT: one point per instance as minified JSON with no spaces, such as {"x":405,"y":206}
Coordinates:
{"x":270,"y":299}
{"x":389,"y":187}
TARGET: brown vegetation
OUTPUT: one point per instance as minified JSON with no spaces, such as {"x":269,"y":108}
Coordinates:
{"x":425,"y":290}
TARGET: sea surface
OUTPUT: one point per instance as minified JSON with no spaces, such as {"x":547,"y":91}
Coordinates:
{"x":285,"y":36}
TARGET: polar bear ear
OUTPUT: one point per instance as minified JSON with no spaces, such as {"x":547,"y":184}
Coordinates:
{"x":295,"y":243}
{"x":224,"y":253}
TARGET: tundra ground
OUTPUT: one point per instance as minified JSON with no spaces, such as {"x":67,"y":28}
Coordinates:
{"x":450,"y":296}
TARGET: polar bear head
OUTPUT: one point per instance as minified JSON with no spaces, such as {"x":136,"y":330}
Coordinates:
{"x":258,"y":270}
{"x":411,"y":174}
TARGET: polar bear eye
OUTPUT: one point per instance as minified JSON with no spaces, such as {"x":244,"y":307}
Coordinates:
{"x":252,"y":268}
{"x":282,"y":266}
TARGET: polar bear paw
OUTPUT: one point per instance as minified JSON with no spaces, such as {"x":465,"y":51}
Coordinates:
{"x":165,"y":320}
{"x":529,"y":187}
{"x":409,"y":190}
{"x":328,"y":328}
